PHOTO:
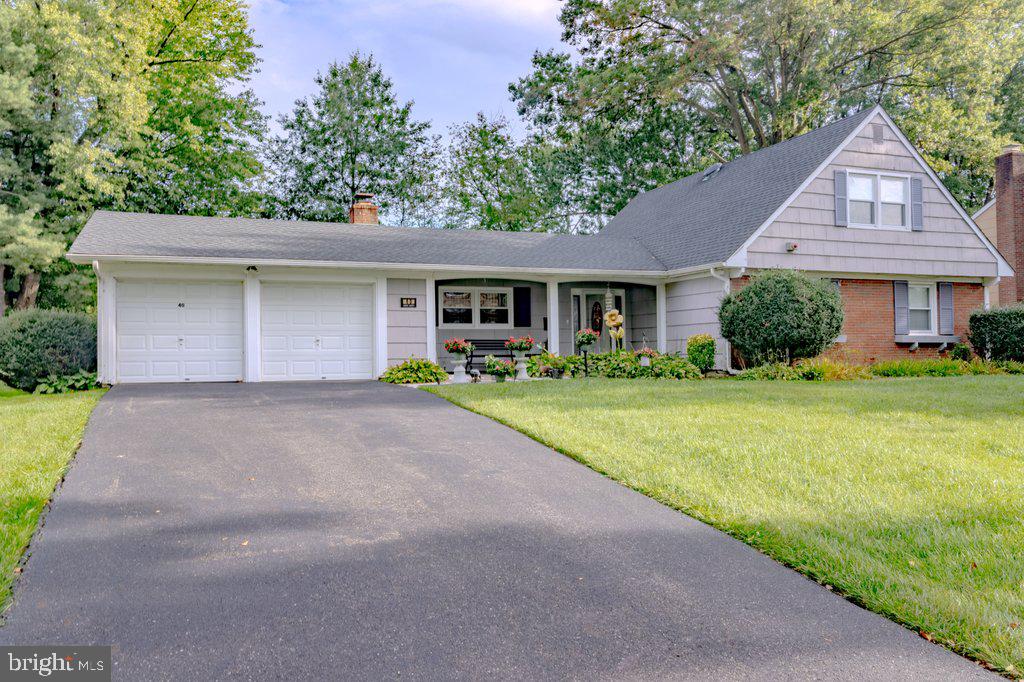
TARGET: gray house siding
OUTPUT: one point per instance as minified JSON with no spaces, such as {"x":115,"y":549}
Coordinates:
{"x":407,"y":327}
{"x":691,"y":307}
{"x":946,"y":247}
{"x":641,"y":312}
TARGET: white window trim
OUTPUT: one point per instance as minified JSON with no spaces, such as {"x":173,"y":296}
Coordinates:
{"x":876,"y":181}
{"x":933,"y":303}
{"x":475,"y":294}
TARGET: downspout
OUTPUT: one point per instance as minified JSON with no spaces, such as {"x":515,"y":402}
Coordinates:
{"x":726,"y":290}
{"x":100,"y":318}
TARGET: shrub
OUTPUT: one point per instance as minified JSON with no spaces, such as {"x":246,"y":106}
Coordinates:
{"x":616,"y":364}
{"x":938,"y":367}
{"x":781,"y":316}
{"x":770,"y":371}
{"x":827,"y":369}
{"x":998,"y":334}
{"x":539,"y":365}
{"x":671,"y":367}
{"x":1010,"y":366}
{"x":79,"y":381}
{"x":414,"y":371}
{"x":700,"y":351}
{"x":961,"y":351}
{"x":35,"y":344}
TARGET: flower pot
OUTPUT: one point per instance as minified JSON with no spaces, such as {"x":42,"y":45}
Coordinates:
{"x":521,"y":372}
{"x":459,"y":375}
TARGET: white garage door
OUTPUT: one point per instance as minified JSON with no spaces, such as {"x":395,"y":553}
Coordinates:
{"x":179,"y":331}
{"x":317,"y":331}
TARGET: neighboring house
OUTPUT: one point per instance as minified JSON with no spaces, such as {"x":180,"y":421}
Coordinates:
{"x":226,"y":299}
{"x":1002,"y":221}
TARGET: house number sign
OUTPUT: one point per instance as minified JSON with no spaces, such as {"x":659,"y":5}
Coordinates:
{"x":408,"y":302}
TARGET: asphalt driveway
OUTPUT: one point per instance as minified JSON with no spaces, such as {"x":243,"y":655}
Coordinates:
{"x":341,"y":531}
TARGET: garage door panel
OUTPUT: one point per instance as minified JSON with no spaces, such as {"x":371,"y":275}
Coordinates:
{"x":327,"y":329}
{"x":179,"y":331}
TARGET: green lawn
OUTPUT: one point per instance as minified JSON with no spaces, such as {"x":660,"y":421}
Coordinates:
{"x":906,"y":495}
{"x":38,"y":437}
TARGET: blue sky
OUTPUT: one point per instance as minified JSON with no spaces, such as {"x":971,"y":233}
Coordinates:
{"x":452,"y":57}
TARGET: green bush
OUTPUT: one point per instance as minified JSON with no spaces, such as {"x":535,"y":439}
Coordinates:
{"x":770,"y":371}
{"x":700,"y":351}
{"x":625,"y":364}
{"x":998,"y":334}
{"x":781,"y":316}
{"x":79,"y":381}
{"x":961,"y":351}
{"x":36,"y":344}
{"x":414,"y":371}
{"x":826,"y":369}
{"x":671,"y":367}
{"x":1010,"y":366}
{"x":933,"y":367}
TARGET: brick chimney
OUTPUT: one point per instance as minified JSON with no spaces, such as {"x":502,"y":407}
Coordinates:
{"x":1010,"y":220}
{"x":363,"y":211}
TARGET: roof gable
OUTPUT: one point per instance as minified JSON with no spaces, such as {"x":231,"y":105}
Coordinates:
{"x":694,"y":221}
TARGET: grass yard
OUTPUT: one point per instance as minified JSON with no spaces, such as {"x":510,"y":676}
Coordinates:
{"x":906,"y":495}
{"x":38,"y":436}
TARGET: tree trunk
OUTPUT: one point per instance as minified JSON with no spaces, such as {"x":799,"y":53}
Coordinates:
{"x":3,"y":290}
{"x":29,"y":291}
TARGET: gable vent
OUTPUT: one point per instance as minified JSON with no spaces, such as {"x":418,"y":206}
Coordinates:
{"x":878,"y":132}
{"x":711,"y":171}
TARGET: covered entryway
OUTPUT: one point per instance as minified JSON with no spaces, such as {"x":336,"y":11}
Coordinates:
{"x":316,"y":331}
{"x":179,"y":331}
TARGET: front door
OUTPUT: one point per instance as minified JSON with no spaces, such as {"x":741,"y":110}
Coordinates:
{"x":589,"y":309}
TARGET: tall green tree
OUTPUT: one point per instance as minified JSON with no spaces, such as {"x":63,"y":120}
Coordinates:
{"x":70,"y":100}
{"x":489,"y":182}
{"x":353,"y":136}
{"x":735,"y":76}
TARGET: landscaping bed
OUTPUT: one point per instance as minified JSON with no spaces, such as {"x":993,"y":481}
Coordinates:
{"x":905,"y":495}
{"x":38,"y":437}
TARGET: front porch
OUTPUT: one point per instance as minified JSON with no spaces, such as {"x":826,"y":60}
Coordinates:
{"x":497,"y":308}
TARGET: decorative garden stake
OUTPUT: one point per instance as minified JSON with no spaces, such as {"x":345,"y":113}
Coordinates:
{"x":585,"y":338}
{"x":616,"y":332}
{"x":520,"y":347}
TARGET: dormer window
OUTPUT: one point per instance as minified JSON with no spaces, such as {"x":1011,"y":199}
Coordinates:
{"x":878,"y":200}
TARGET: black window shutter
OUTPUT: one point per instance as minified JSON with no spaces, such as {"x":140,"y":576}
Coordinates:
{"x":916,"y":205}
{"x":842,"y":220}
{"x":901,"y":303}
{"x":522,"y":315}
{"x":945,"y":307}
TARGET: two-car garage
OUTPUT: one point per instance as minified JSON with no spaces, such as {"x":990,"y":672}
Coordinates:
{"x":183,"y":330}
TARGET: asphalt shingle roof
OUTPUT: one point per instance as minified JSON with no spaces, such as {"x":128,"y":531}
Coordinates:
{"x":140,"y":234}
{"x":693,"y":221}
{"x":689,"y":222}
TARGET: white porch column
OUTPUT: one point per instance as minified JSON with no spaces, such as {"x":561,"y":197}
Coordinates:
{"x":661,"y":305}
{"x":431,"y":307}
{"x":251,"y":300}
{"x":380,"y":326}
{"x":553,"y":325}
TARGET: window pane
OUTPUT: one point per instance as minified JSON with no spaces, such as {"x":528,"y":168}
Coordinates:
{"x":457,"y":316}
{"x":493,"y":299}
{"x":920,"y":320}
{"x":893,"y":190}
{"x":920,"y":297}
{"x":494,"y":316}
{"x":862,"y":187}
{"x":894,"y":214}
{"x":457,"y":299}
{"x":862,"y":212}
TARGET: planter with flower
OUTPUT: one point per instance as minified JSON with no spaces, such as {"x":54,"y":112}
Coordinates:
{"x":646,"y":355}
{"x":499,"y":369}
{"x":520,"y":346}
{"x":460,"y":348}
{"x":585,"y":340}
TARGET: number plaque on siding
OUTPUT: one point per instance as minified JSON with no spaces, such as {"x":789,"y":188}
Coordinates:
{"x":408,"y":302}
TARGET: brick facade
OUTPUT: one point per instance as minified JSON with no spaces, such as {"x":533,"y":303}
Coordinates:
{"x":869,"y":327}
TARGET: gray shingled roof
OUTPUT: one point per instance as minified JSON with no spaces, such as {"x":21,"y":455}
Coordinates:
{"x":689,"y":222}
{"x":140,"y":234}
{"x":694,"y":221}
